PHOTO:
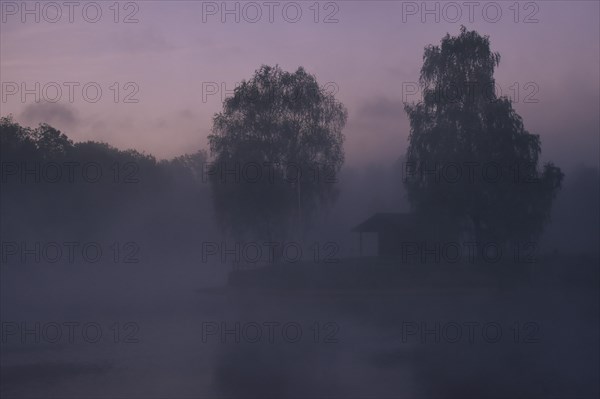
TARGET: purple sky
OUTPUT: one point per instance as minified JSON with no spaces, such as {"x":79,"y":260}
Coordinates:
{"x":372,"y":52}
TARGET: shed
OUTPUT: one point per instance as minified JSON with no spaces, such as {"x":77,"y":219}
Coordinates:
{"x":392,"y":229}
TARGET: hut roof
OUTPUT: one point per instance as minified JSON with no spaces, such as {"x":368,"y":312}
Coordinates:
{"x":387,"y":222}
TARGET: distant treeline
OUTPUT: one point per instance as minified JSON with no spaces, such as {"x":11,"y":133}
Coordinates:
{"x":53,"y":188}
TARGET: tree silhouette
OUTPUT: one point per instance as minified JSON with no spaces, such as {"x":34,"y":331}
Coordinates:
{"x":472,"y":166}
{"x":276,"y":147}
{"x":47,"y":193}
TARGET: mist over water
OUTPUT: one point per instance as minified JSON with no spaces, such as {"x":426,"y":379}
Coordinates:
{"x":298,"y":204}
{"x":363,"y":352}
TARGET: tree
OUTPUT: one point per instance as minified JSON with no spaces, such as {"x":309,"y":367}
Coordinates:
{"x":277,"y":147}
{"x":472,"y":167}
{"x":16,"y":142}
{"x":51,"y":186}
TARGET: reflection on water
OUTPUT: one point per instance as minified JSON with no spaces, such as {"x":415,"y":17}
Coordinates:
{"x":352,"y":346}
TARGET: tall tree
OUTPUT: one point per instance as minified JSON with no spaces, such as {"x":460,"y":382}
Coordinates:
{"x":277,"y":147}
{"x":473,"y":167}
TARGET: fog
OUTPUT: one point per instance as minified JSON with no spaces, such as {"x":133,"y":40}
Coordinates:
{"x":293,"y":238}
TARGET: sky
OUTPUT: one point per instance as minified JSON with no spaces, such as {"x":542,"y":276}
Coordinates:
{"x":150,"y":75}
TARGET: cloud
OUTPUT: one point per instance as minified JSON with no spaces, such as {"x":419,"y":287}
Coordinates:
{"x":187,"y":114}
{"x":147,"y":40}
{"x":382,"y":108}
{"x":55,"y":114}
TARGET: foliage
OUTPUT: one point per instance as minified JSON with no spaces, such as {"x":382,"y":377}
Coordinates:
{"x":474,"y":165}
{"x":276,"y":147}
